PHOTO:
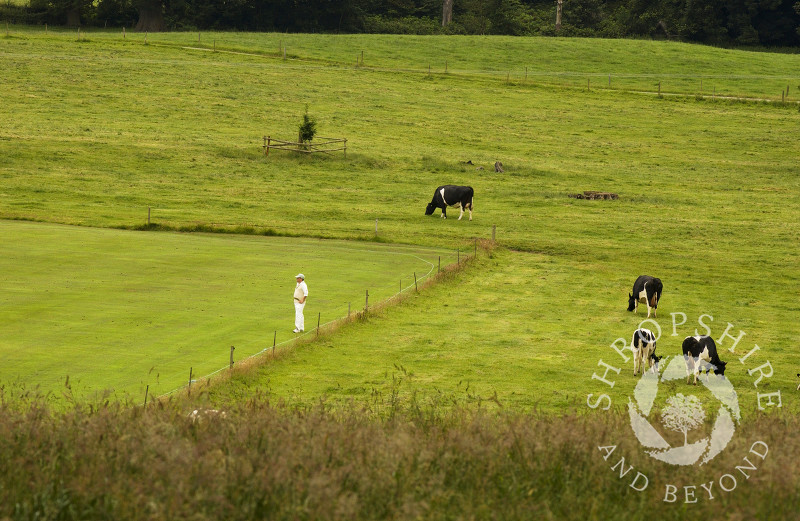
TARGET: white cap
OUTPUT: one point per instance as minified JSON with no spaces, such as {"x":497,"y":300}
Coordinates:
{"x":300,"y":276}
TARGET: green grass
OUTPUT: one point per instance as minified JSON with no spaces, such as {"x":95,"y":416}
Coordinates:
{"x":270,"y":461}
{"x":97,"y":130}
{"x":121,"y":310}
{"x":708,"y":189}
{"x":518,"y":333}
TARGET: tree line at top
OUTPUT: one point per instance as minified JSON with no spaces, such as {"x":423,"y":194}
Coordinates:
{"x":716,"y":22}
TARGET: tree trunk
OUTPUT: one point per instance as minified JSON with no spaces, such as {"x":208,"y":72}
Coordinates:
{"x":447,"y":12}
{"x":558,"y":16}
{"x":74,"y":17}
{"x":151,"y":17}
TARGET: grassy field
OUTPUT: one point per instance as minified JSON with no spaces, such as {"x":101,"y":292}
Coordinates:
{"x":269,"y":461}
{"x":98,"y":129}
{"x":119,"y":310}
{"x":709,"y":190}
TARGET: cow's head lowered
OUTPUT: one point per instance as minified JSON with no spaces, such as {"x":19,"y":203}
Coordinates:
{"x":631,"y":302}
{"x":430,"y":208}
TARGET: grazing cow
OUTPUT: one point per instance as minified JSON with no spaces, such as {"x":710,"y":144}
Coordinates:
{"x":451,"y":195}
{"x":645,"y":288}
{"x":701,"y":351}
{"x":643,"y":345}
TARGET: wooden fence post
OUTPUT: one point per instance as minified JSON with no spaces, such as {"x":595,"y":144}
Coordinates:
{"x":348,"y":310}
{"x":440,"y":265}
{"x":319,"y":316}
{"x":274,"y":338}
{"x":494,"y":229}
{"x":190,"y":380}
{"x":366,"y":302}
{"x":232,"y":348}
{"x":147,"y":389}
{"x":415,"y":282}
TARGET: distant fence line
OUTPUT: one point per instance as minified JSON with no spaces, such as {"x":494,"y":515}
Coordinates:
{"x":511,"y":74}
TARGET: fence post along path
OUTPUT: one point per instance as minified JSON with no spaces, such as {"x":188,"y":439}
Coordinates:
{"x":434,"y":266}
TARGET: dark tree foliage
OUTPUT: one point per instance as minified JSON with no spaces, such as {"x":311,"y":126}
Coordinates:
{"x":717,"y":22}
{"x":71,"y":13}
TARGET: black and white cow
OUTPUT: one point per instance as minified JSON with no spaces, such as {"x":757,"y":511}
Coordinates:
{"x":643,"y":345}
{"x":451,"y":195}
{"x":645,"y":288}
{"x":700,"y":353}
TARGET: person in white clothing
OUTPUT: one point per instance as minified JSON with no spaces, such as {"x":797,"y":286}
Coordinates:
{"x":300,"y":296}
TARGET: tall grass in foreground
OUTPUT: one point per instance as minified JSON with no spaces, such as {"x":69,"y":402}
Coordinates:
{"x":382,"y":460}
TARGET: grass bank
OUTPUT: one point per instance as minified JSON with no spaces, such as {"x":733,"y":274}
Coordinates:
{"x":414,"y":460}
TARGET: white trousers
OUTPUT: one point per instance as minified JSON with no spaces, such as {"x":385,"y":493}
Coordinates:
{"x":299,"y":320}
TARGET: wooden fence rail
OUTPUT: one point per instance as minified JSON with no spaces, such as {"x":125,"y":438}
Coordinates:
{"x":326,"y":145}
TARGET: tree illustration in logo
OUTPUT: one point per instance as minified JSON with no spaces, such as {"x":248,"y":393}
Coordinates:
{"x":683,"y":414}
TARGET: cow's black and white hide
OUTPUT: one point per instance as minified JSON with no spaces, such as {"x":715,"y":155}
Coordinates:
{"x":643,"y":345}
{"x":648,"y":289}
{"x":451,"y":195}
{"x":700,"y":353}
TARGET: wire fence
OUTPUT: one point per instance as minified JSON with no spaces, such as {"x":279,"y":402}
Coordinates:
{"x":772,"y":88}
{"x":333,"y":316}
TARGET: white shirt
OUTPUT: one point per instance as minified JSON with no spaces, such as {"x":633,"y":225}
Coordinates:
{"x":300,"y":291}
